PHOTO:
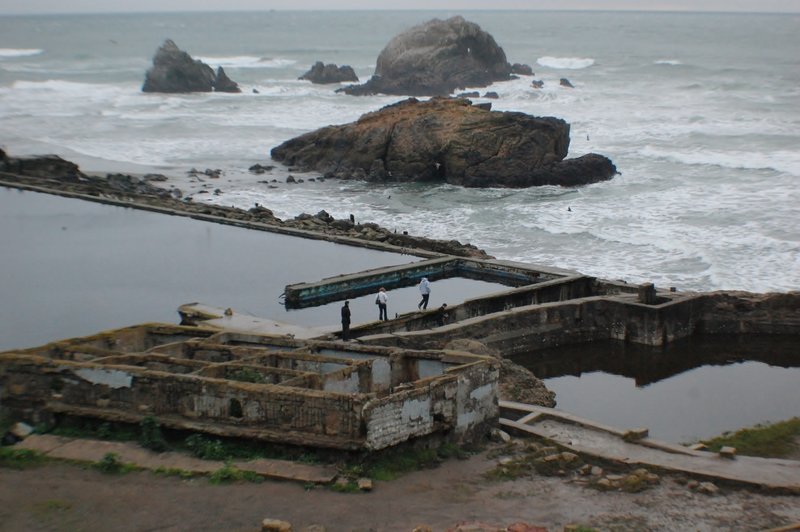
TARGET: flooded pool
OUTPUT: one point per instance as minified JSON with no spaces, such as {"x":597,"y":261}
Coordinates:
{"x":691,"y":390}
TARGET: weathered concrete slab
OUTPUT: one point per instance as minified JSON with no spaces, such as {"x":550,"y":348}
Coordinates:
{"x":607,"y":443}
{"x":81,"y":450}
{"x":216,"y":317}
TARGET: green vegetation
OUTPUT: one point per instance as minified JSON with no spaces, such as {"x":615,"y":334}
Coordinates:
{"x":230,"y":473}
{"x":151,"y":437}
{"x":776,"y":440}
{"x":112,"y":465}
{"x":175,"y":472}
{"x":206,"y":449}
{"x":393,"y":463}
{"x":20,"y":458}
{"x":90,"y":428}
{"x":246,"y":375}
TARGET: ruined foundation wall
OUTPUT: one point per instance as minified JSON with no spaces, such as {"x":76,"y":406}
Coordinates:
{"x":120,"y":393}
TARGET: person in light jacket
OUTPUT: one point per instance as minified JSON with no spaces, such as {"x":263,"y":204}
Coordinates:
{"x":381,"y":300}
{"x":425,"y":290}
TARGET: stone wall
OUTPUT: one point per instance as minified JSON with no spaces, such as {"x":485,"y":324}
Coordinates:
{"x":321,"y":394}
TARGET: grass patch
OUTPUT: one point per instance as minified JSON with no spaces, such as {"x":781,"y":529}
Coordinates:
{"x":175,"y":472}
{"x":393,"y":463}
{"x":93,"y":429}
{"x":775,"y":440}
{"x":20,"y":458}
{"x":230,"y":473}
{"x":112,"y":465}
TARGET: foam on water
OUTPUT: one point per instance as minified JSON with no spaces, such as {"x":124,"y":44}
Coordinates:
{"x":565,"y":63}
{"x":247,"y":61}
{"x":6,"y":53}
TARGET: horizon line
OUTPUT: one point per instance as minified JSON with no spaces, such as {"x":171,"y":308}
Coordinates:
{"x":354,"y":10}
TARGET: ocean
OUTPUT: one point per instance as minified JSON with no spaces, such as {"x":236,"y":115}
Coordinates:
{"x":699,"y":112}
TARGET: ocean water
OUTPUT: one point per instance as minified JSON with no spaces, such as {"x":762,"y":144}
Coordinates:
{"x":700,"y":113}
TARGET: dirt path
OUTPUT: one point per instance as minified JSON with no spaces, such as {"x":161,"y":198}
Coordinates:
{"x":68,"y":497}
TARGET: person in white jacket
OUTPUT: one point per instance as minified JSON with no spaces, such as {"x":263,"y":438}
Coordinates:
{"x":381,"y":300}
{"x":425,"y":290}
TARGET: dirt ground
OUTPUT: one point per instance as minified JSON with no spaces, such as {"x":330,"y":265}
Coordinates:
{"x":69,"y":497}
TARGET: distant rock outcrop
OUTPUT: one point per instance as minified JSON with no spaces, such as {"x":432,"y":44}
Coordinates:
{"x":446,"y":139}
{"x":222,"y":83}
{"x":521,"y":69}
{"x":175,"y":71}
{"x":436,"y":58}
{"x":322,"y":74}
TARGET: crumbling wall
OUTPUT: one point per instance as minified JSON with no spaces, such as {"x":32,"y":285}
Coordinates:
{"x":269,"y":412}
{"x":418,"y":411}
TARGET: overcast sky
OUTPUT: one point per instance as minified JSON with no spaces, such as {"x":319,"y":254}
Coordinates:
{"x":116,"y":6}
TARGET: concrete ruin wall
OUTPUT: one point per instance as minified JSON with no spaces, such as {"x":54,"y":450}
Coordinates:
{"x":306,"y":398}
{"x":353,"y":285}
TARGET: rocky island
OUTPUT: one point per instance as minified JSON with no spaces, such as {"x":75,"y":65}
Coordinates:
{"x":446,"y":140}
{"x":436,"y":58}
{"x":176,"y":71}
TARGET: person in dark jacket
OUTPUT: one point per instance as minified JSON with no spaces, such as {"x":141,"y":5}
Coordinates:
{"x":346,"y":321}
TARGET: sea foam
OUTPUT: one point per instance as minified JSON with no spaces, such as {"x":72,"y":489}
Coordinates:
{"x":6,"y":53}
{"x":247,"y":61}
{"x":565,"y":63}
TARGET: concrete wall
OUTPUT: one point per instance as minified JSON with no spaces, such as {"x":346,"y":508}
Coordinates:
{"x":305,"y":398}
{"x":368,"y":282}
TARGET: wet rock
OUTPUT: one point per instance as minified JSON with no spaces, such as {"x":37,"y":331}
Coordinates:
{"x":491,"y":95}
{"x":471,"y":94}
{"x":260,"y":169}
{"x":222,"y":83}
{"x":537,"y":84}
{"x":435,"y":58}
{"x":449,"y":140}
{"x":564,"y":82}
{"x":174,"y":71}
{"x":322,"y":74}
{"x":41,"y":166}
{"x":521,"y":69}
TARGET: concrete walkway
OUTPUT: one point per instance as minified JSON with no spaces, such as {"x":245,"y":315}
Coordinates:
{"x":130,"y":453}
{"x":633,"y":447}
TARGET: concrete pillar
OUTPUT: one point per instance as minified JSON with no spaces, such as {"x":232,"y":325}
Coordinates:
{"x":647,"y":294}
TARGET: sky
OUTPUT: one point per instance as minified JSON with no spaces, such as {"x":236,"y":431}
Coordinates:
{"x":13,"y":7}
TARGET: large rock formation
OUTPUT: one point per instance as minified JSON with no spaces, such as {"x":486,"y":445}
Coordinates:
{"x":175,"y":71}
{"x":446,"y":139}
{"x":436,"y":58}
{"x":321,"y":73}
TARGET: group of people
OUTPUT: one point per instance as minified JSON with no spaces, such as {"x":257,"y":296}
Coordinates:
{"x":382,"y":300}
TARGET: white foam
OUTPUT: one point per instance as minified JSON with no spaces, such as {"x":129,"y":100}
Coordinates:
{"x":670,"y":62}
{"x":785,"y":161}
{"x":247,"y":61}
{"x":565,"y":63}
{"x":18,"y":52}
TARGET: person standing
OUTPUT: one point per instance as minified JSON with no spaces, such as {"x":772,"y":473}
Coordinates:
{"x":381,"y":300}
{"x":425,"y":290}
{"x":346,"y":321}
{"x":442,"y":315}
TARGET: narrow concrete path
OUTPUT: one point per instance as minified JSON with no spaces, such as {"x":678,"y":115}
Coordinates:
{"x":92,"y":451}
{"x":635,"y":448}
